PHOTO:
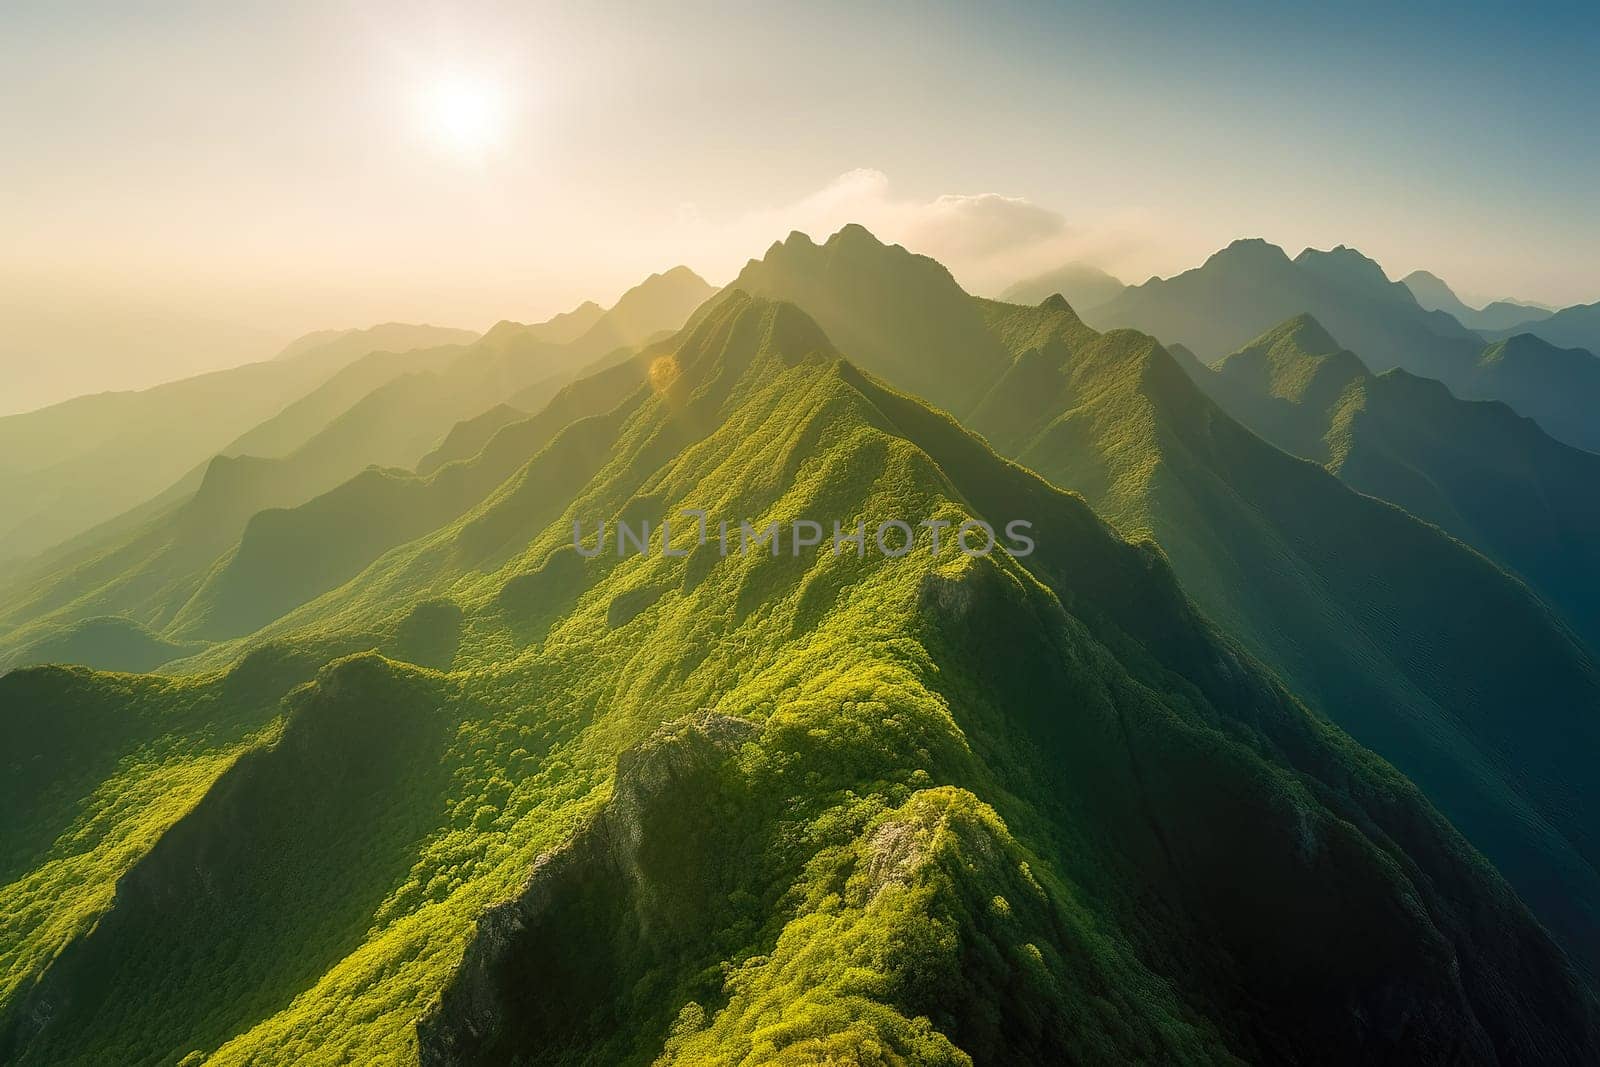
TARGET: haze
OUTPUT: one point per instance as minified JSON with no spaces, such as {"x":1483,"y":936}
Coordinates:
{"x":193,"y":186}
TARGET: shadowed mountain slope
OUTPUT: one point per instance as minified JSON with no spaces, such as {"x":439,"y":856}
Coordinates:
{"x":1491,"y":478}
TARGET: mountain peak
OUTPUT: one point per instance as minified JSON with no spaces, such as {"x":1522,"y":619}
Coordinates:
{"x":1305,"y":333}
{"x":1345,"y":265}
{"x":1255,"y":251}
{"x":855,"y":233}
{"x":1296,"y":360}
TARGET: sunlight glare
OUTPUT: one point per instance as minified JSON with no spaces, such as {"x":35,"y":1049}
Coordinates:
{"x":464,"y":116}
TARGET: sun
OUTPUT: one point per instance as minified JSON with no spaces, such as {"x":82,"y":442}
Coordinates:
{"x":464,"y":116}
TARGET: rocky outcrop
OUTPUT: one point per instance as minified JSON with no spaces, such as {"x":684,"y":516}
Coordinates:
{"x":549,"y":966}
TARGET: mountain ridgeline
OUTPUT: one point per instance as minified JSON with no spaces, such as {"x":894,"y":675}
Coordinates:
{"x":1239,"y":765}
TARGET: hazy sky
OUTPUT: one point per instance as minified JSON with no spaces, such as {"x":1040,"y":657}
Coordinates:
{"x":188,"y":185}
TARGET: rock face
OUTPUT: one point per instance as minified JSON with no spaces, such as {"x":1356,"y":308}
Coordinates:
{"x":539,"y":963}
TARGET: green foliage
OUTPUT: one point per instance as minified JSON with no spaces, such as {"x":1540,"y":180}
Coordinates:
{"x":749,"y":808}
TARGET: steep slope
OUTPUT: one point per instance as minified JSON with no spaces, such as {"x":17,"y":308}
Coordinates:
{"x":799,"y":807}
{"x":1418,"y":646}
{"x":1432,"y":293}
{"x":1082,"y":285}
{"x":76,"y":464}
{"x":1494,"y":480}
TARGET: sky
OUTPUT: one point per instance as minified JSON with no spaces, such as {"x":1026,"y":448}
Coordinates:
{"x":186,"y":186}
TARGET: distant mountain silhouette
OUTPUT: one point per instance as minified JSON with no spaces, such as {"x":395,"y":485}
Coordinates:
{"x":1574,"y":327}
{"x":1432,"y":293}
{"x":1082,"y":285}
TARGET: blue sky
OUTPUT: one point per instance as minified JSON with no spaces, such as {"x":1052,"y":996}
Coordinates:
{"x":266,"y":161}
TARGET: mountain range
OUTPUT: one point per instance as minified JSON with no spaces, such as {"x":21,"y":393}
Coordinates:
{"x":1573,"y":327}
{"x":75,"y":464}
{"x":110,"y":593}
{"x":1277,"y":747}
{"x":1251,"y":286}
{"x":1478,"y":470}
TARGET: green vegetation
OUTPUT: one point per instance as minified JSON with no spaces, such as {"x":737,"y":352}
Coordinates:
{"x":434,"y":787}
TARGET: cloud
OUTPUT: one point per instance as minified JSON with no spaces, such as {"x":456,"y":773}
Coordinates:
{"x":988,"y":240}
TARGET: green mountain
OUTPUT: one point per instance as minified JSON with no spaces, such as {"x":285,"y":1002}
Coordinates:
{"x":1418,"y":646}
{"x":71,"y":466}
{"x":1432,"y":293}
{"x":200,"y":540}
{"x":1082,"y":285}
{"x":1476,"y":469}
{"x":1573,"y":327}
{"x":695,"y":808}
{"x":1249,"y":287}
